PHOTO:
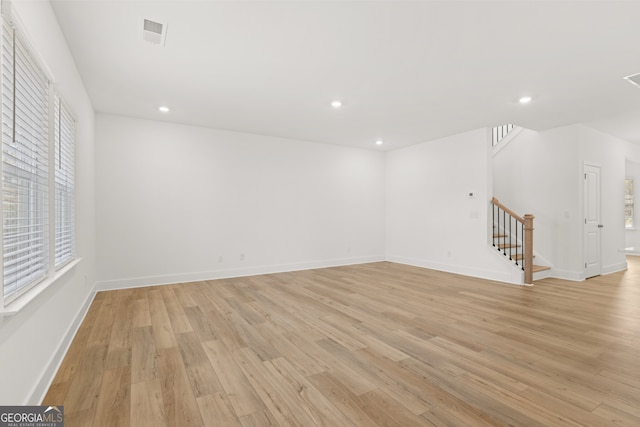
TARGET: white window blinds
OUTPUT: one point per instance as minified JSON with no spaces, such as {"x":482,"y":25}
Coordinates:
{"x":25,"y":172}
{"x":64,"y":130}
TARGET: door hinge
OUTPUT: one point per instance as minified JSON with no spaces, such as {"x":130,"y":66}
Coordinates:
{"x":585,"y":176}
{"x":585,"y":265}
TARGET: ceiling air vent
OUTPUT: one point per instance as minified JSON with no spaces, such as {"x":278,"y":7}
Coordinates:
{"x":153,"y":32}
{"x":634,"y":79}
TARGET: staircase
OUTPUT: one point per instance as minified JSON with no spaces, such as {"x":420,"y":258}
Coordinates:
{"x":498,"y":133}
{"x":513,"y":237}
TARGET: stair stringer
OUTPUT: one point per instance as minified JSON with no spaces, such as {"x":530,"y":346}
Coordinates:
{"x":506,"y":140}
{"x":540,"y":259}
{"x":517,"y":272}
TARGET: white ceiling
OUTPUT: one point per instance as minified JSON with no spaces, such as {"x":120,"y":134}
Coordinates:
{"x":407,"y":72}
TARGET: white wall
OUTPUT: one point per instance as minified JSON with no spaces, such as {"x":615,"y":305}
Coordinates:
{"x":541,"y":173}
{"x":538,"y":173}
{"x":610,"y":154}
{"x":178,"y":203}
{"x":33,"y":341}
{"x":431,"y":220}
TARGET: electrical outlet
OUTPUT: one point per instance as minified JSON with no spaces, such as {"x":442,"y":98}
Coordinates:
{"x":241,"y":257}
{"x":220,"y":259}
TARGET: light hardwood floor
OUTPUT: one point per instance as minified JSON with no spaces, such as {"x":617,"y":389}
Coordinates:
{"x":370,"y":345}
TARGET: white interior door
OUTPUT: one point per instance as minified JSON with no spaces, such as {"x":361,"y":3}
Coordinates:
{"x":592,"y":224}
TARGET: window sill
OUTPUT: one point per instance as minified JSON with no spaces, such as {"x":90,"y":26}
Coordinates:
{"x":16,"y":306}
{"x":630,"y":228}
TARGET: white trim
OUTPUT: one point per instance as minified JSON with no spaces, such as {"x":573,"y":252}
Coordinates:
{"x":543,"y":274}
{"x":138,"y":282}
{"x":614,"y":268}
{"x":513,"y":278}
{"x":39,"y":390}
{"x":33,"y":293}
{"x":495,"y":149}
{"x":9,"y":11}
{"x":578,"y":276}
{"x":574,"y":276}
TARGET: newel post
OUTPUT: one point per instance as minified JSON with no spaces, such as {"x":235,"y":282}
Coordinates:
{"x":528,"y":249}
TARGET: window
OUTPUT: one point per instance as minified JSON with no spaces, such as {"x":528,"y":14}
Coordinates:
{"x":25,"y":167}
{"x":63,"y":147}
{"x":37,"y":171}
{"x":628,"y":203}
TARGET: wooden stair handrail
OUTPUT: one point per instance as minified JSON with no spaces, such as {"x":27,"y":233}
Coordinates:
{"x":507,"y":210}
{"x":527,"y":222}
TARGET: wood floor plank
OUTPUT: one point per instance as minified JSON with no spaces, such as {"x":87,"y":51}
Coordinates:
{"x":83,"y":395}
{"x":262,"y":418}
{"x":621,"y":417}
{"x":113,"y":406}
{"x":177,"y":316}
{"x":378,"y":344}
{"x":180,"y":407}
{"x":74,"y":353}
{"x":141,"y":313}
{"x":216,"y":410}
{"x":203,"y":379}
{"x":242,"y":395}
{"x":147,"y":407}
{"x":163,"y":333}
{"x":119,"y":351}
{"x":203,"y":323}
{"x":386,"y":410}
{"x":305,"y":396}
{"x":275,"y":401}
{"x":200,"y":373}
{"x":342,"y":398}
{"x":56,"y":394}
{"x":80,"y":418}
{"x":143,"y":355}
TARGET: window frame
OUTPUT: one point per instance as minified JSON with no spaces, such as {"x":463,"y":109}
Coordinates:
{"x":629,"y":203}
{"x":56,"y":107}
{"x":64,"y":250}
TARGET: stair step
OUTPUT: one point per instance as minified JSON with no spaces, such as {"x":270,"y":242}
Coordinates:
{"x":518,"y":257}
{"x":507,"y":245}
{"x":537,"y":268}
{"x":498,"y":235}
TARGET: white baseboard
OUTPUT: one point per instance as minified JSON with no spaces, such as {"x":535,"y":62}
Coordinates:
{"x":42,"y":386}
{"x":137,"y":282}
{"x":614,"y":268}
{"x":578,"y":276}
{"x":574,"y":276}
{"x":511,"y":278}
{"x":544,"y":274}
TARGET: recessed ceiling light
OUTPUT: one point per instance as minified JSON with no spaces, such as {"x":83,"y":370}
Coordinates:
{"x":163,"y":109}
{"x":524,"y":100}
{"x":336,"y":104}
{"x":379,"y":142}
